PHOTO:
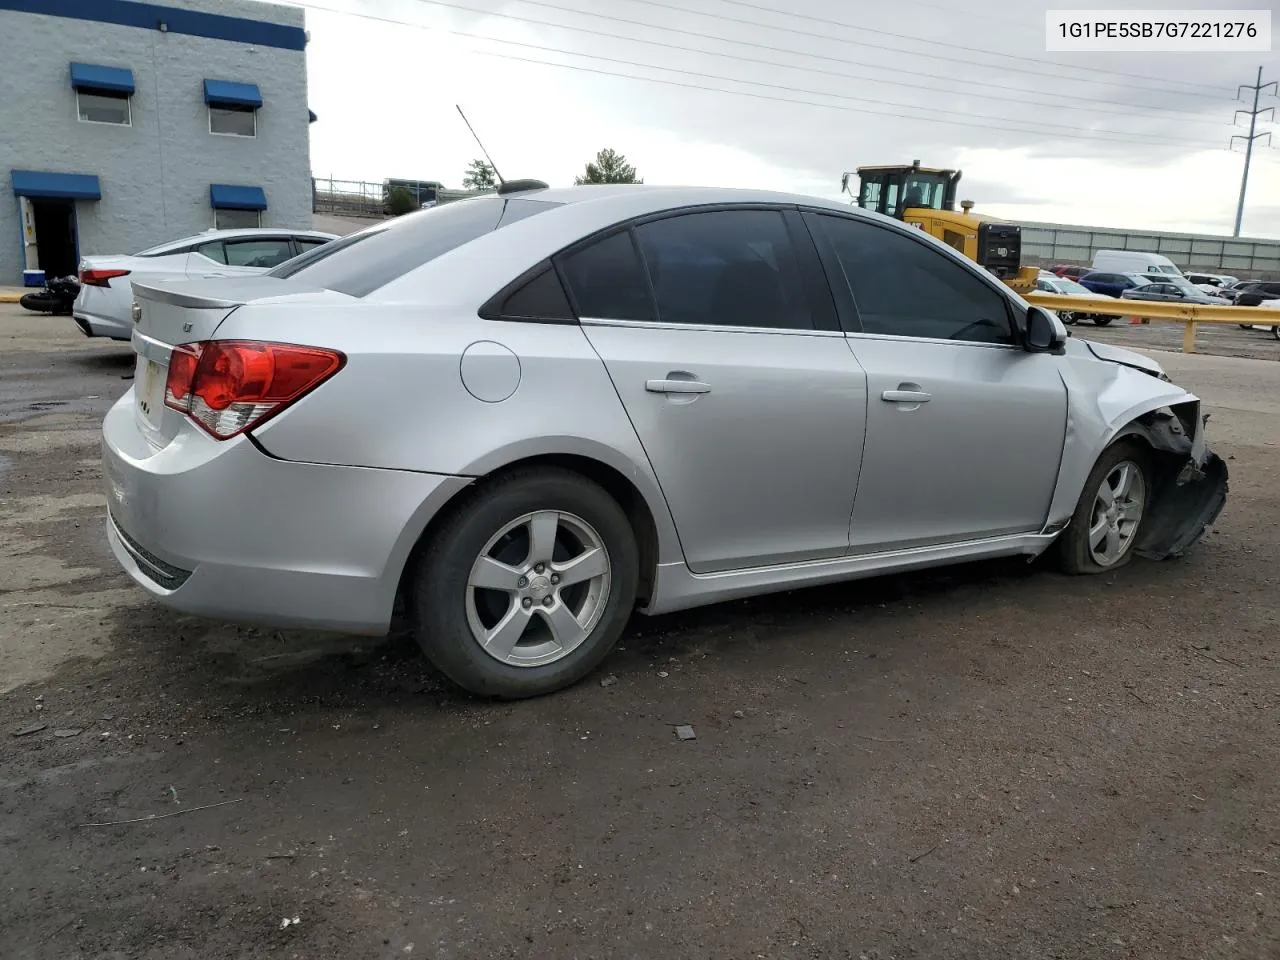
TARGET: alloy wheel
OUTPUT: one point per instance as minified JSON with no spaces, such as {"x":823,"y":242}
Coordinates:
{"x":1117,"y":512}
{"x":538,"y":588}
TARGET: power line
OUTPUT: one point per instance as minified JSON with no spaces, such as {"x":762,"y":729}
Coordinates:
{"x":937,"y":43}
{"x":1144,"y":110}
{"x":1082,"y":135}
{"x":807,"y":33}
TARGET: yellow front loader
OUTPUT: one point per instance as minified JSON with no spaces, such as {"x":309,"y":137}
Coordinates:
{"x":926,"y":198}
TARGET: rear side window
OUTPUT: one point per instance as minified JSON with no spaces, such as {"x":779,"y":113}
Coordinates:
{"x":361,"y":263}
{"x":540,"y":298}
{"x":606,"y":280}
{"x":731,"y":268}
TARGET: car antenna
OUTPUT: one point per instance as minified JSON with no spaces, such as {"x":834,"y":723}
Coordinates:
{"x":481,"y":145}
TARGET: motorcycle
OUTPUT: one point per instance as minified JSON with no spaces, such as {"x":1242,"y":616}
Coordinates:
{"x":56,"y":297}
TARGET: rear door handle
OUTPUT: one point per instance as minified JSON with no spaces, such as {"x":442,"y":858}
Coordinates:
{"x":677,"y":386}
{"x":906,"y":396}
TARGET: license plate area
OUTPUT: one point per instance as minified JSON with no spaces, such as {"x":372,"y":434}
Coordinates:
{"x":149,"y":383}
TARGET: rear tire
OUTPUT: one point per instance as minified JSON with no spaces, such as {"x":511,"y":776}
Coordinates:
{"x":1275,"y":333}
{"x":1102,"y":321}
{"x":527,"y":585}
{"x":1099,"y":538}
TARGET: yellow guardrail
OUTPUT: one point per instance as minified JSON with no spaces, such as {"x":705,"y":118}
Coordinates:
{"x":1188,"y":314}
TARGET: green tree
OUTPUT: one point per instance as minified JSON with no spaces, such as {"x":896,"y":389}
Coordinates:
{"x":479,"y":176}
{"x":401,"y":201}
{"x":609,"y":167}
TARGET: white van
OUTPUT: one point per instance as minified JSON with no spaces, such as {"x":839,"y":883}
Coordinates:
{"x":1133,"y":261}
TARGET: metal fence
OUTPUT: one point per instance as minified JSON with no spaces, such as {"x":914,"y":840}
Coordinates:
{"x":1044,"y":243}
{"x":364,"y":198}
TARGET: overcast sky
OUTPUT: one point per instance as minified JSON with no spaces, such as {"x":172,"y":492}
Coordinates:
{"x":942,"y":81}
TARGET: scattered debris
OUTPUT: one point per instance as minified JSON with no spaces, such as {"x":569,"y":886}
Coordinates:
{"x":68,"y":732}
{"x":920,"y":856}
{"x":685,"y":732}
{"x":288,"y":922}
{"x":608,"y":681}
{"x":663,"y":673}
{"x":866,"y":736}
{"x":33,"y":728}
{"x":161,"y":816}
{"x":739,"y":715}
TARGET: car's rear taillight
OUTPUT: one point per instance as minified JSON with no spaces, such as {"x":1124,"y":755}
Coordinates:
{"x":100,"y":278}
{"x":230,"y":386}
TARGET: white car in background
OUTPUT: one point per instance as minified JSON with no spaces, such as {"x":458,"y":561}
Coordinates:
{"x":104,"y":305}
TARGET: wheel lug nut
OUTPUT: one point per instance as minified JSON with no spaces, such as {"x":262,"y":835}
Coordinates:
{"x":555,"y":578}
{"x":539,"y":567}
{"x":528,"y":602}
{"x":547,"y":601}
{"x":523,"y":582}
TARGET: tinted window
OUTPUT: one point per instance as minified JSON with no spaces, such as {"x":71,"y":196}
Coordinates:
{"x":607,"y":280}
{"x":213,"y":251}
{"x":235,"y":121}
{"x":362,"y":262}
{"x":236,"y":219}
{"x":266,"y":253}
{"x":305,"y":245}
{"x":903,"y":287}
{"x":541,"y":298}
{"x":103,"y":107}
{"x":729,"y":268}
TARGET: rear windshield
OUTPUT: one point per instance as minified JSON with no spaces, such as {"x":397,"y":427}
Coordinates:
{"x":362,"y":262}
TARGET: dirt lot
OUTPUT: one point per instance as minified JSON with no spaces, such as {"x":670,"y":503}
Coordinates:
{"x":994,"y":762}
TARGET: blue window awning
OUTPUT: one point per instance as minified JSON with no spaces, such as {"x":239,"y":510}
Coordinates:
{"x":95,"y":79}
{"x":226,"y":93}
{"x":55,"y":186}
{"x":226,"y":196}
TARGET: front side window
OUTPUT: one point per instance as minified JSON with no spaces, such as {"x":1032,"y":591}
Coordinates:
{"x":903,"y":287}
{"x":266,"y":252}
{"x":237,"y":219}
{"x":233,"y":121}
{"x":726,"y":268}
{"x":103,"y":107}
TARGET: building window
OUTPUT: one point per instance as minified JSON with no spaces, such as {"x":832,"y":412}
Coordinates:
{"x":225,"y":219}
{"x":233,"y":121}
{"x":103,"y":107}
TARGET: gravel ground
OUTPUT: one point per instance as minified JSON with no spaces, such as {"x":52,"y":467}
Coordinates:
{"x":986,"y":762}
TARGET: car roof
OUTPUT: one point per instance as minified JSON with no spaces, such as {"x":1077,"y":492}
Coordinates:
{"x":214,"y":234}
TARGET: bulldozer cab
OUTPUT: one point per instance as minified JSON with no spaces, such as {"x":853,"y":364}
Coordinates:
{"x":892,"y":190}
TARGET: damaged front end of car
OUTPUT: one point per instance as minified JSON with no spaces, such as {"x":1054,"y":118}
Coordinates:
{"x":1190,"y":481}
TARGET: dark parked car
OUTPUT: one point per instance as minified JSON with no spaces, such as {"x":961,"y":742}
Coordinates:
{"x":1170,"y":292}
{"x":1255,"y":293}
{"x":1112,"y":284}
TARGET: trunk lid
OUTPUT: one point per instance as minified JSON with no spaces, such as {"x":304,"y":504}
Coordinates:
{"x":167,"y":313}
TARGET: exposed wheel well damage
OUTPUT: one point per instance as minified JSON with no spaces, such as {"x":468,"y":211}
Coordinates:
{"x":613,"y":482}
{"x":1189,"y":483}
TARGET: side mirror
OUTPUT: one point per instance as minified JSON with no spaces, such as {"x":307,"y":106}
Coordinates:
{"x":1045,"y":333}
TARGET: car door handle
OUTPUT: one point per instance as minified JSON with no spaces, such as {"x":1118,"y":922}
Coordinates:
{"x":677,"y":386}
{"x":906,"y":396}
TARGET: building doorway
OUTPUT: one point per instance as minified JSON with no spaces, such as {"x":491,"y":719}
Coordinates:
{"x":56,"y":245}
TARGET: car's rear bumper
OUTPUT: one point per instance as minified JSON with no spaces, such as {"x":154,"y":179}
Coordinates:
{"x":220,"y":529}
{"x":96,"y":325}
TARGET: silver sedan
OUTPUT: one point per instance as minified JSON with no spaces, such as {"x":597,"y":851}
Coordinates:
{"x":529,"y":414}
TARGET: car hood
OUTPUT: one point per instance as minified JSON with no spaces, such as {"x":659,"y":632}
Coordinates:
{"x":1104,"y":351}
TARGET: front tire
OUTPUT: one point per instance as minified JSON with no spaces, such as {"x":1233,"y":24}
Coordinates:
{"x":1109,"y":516}
{"x":1101,"y":321}
{"x":527,"y":585}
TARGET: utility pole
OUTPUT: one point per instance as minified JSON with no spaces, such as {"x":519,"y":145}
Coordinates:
{"x":1257,"y":88}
